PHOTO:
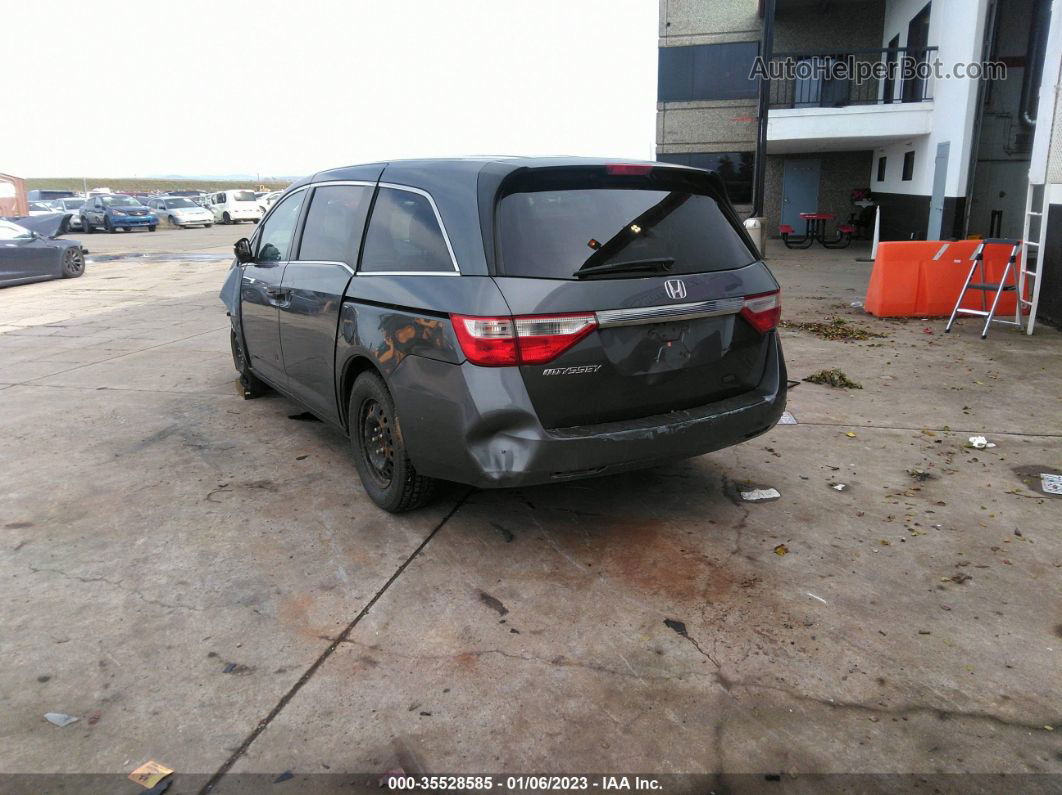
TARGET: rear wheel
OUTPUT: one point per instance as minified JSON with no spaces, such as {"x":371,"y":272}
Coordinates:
{"x":389,"y":477}
{"x":73,"y":262}
{"x":152,"y":227}
{"x":226,"y":218}
{"x":252,"y":386}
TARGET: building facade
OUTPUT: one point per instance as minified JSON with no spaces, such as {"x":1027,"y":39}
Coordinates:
{"x":943,"y":156}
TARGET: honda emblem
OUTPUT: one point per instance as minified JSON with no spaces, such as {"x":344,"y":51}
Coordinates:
{"x":675,"y":288}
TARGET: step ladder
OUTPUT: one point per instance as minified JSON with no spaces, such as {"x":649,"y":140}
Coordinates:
{"x":1034,"y":233}
{"x":984,"y":286}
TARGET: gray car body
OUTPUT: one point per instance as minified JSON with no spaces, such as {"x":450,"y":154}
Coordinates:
{"x":37,"y":259}
{"x":459,"y":421}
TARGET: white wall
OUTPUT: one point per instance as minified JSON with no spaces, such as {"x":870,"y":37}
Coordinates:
{"x":956,"y":28}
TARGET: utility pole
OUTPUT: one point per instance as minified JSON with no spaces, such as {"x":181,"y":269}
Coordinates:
{"x":760,"y":166}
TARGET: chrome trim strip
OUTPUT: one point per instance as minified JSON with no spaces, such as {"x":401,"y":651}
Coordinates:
{"x":438,"y":217}
{"x":321,"y":262}
{"x":408,"y":273}
{"x":663,"y":314}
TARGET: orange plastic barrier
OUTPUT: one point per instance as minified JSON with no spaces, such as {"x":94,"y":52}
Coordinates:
{"x":923,"y":278}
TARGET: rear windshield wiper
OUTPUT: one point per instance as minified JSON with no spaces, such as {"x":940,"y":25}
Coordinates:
{"x":627,"y":266}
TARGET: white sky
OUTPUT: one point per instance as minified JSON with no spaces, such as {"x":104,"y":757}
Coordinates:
{"x":217,"y":87}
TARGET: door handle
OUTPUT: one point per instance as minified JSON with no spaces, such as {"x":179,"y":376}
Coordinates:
{"x":277,"y":296}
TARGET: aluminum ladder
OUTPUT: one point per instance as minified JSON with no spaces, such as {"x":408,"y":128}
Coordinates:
{"x":984,"y":287}
{"x":1033,"y":268}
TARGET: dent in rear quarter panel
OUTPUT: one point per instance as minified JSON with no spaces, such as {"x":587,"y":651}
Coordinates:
{"x":386,"y":319}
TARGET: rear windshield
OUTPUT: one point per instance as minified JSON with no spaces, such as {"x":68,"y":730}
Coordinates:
{"x":556,"y":233}
{"x":243,"y":196}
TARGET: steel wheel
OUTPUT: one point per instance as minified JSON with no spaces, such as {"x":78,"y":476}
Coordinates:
{"x":377,"y":441}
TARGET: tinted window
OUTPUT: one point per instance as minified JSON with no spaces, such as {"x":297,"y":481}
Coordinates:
{"x":707,"y":71}
{"x":881,"y":169}
{"x":735,"y":169}
{"x":275,"y":239}
{"x":908,"y":166}
{"x":243,"y":195}
{"x":553,"y":233}
{"x":334,"y":223}
{"x":404,"y":235}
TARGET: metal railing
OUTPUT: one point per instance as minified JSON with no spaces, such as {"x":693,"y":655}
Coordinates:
{"x":856,"y":77}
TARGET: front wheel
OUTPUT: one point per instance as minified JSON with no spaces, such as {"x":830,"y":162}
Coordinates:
{"x":87,"y":227}
{"x":173,"y":222}
{"x":73,"y":262}
{"x":226,"y":218}
{"x":108,"y":226}
{"x":152,"y":227}
{"x":389,"y":477}
{"x":252,"y":386}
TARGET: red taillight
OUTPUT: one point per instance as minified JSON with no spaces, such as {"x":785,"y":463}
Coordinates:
{"x":628,"y":169}
{"x":524,"y":339}
{"x":763,"y":310}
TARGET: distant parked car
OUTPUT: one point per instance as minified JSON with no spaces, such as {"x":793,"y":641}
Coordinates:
{"x":115,"y":211}
{"x":266,"y":200}
{"x":71,"y":207}
{"x":26,"y":256}
{"x":48,"y":195}
{"x":40,"y":208}
{"x":233,"y":206}
{"x":179,"y":211}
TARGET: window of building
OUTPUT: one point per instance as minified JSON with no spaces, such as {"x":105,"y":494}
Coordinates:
{"x":334,"y":224}
{"x":735,"y":169}
{"x":404,"y":235}
{"x":908,"y":166}
{"x":881,"y":168}
{"x":707,"y":71}
{"x":275,"y":238}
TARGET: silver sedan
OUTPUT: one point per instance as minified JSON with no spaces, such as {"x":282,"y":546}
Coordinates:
{"x":179,"y":211}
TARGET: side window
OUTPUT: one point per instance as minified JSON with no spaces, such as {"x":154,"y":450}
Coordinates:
{"x":404,"y":235}
{"x":334,"y":223}
{"x":275,"y":238}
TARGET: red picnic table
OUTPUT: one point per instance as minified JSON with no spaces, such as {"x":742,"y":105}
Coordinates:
{"x":815,"y":229}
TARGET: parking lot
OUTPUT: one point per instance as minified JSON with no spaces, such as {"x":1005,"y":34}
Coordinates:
{"x":202,"y":581}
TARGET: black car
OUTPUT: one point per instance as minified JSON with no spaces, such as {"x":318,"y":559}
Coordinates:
{"x":29,"y":256}
{"x":510,"y":321}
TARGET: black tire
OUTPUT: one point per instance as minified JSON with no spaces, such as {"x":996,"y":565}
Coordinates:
{"x":152,"y":227}
{"x":87,"y":227}
{"x":173,"y":222}
{"x":389,"y":477}
{"x":252,"y":386}
{"x":207,"y":226}
{"x":226,"y":218}
{"x":73,"y":262}
{"x":107,"y":227}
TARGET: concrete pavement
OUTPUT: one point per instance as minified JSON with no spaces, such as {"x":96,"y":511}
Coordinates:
{"x":189,"y":573}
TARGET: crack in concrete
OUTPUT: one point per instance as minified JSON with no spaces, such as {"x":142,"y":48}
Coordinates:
{"x":117,"y":584}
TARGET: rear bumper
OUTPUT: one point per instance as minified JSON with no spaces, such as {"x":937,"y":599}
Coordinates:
{"x":476,"y":425}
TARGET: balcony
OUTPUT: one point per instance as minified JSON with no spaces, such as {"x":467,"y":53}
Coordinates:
{"x":849,"y":100}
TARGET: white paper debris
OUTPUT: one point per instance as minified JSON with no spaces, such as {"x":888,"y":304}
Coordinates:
{"x":758,"y":495}
{"x":980,"y":442}
{"x":59,"y":719}
{"x":787,"y":419}
{"x":839,"y":486}
{"x":809,"y":593}
{"x":1051,"y":484}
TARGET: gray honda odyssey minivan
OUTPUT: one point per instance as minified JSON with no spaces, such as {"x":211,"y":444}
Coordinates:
{"x":510,"y":321}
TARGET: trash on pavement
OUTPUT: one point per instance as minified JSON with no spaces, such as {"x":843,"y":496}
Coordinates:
{"x":839,"y":486}
{"x":1051,"y":484}
{"x":819,"y":598}
{"x":787,"y":418}
{"x":149,"y":774}
{"x":850,"y":434}
{"x":833,"y":377}
{"x":60,"y":719}
{"x":759,"y":495}
{"x":287,"y":775}
{"x":980,"y":443}
{"x":781,"y":549}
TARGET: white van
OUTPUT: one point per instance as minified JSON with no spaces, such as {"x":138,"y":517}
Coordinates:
{"x":232,"y":206}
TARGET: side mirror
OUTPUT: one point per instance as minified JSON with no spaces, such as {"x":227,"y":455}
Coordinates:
{"x":242,"y":249}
